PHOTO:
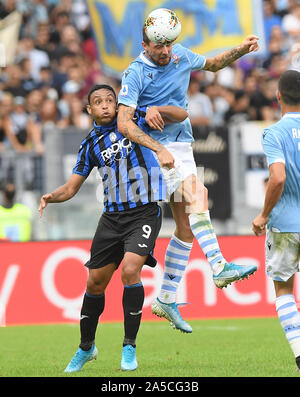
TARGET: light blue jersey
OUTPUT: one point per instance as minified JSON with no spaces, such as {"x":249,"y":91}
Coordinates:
{"x":146,"y":84}
{"x":281,"y":143}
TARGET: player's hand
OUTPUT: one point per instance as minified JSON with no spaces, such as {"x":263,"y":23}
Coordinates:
{"x":45,"y":199}
{"x":165,"y":158}
{"x":250,"y":44}
{"x":259,"y":225}
{"x":154,"y":119}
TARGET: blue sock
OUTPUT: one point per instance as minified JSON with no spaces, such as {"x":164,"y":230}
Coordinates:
{"x":289,"y":318}
{"x":176,"y":260}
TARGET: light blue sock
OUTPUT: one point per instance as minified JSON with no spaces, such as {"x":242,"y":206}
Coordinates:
{"x":176,"y":259}
{"x":203,"y":231}
{"x":289,"y":318}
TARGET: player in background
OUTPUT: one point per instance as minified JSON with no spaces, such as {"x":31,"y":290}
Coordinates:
{"x":129,"y":225}
{"x":160,"y":75}
{"x":280,"y":216}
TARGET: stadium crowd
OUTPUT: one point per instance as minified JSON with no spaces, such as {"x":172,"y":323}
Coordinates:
{"x":56,"y":64}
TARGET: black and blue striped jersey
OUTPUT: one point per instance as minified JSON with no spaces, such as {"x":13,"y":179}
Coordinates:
{"x":130,"y":172}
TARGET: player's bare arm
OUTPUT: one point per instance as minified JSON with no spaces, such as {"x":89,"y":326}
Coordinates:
{"x":273,"y":194}
{"x":62,"y":193}
{"x":128,"y":128}
{"x":157,"y":116}
{"x":220,"y":61}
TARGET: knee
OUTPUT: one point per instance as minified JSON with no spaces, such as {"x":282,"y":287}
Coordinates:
{"x":201,"y":191}
{"x":95,"y":286}
{"x":130,"y":273}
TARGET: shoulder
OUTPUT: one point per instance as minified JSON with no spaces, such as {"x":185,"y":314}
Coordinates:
{"x":134,"y":68}
{"x":179,"y":48}
{"x":272,"y":134}
{"x":85,"y":143}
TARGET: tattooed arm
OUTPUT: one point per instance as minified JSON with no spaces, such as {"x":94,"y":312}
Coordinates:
{"x":226,"y":58}
{"x":128,"y":128}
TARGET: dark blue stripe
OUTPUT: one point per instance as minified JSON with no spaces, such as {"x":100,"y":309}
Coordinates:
{"x":134,"y":285}
{"x":94,"y":296}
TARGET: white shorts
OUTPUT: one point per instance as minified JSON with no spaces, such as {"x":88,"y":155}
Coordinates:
{"x":184,"y":165}
{"x":282,"y":255}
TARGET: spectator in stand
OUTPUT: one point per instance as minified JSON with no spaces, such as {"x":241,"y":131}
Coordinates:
{"x":77,"y":74}
{"x":13,"y":83}
{"x":6,"y":107}
{"x":42,"y":40}
{"x":271,"y":19}
{"x":60,"y":71}
{"x":50,"y":114}
{"x":15,"y":218}
{"x":199,"y":106}
{"x":58,"y":19}
{"x":251,"y":89}
{"x":16,"y":128}
{"x":221,"y":98}
{"x":78,"y":116}
{"x":34,"y":13}
{"x":291,"y":23}
{"x":69,"y":42}
{"x":37,"y":57}
{"x":70,"y":92}
{"x":264,"y":101}
{"x":238,"y":111}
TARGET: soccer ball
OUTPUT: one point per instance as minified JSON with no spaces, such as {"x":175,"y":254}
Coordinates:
{"x":162,"y":26}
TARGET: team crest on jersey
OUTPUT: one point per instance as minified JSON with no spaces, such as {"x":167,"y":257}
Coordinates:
{"x":113,"y":137}
{"x":175,"y":58}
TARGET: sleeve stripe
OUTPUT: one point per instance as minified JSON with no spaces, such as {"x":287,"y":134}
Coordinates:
{"x":279,"y":160}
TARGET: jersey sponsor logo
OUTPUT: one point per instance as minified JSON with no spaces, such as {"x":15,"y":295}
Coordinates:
{"x":117,"y":151}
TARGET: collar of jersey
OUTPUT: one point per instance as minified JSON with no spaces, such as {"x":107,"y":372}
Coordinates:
{"x":146,"y":60}
{"x":102,"y":129}
{"x":149,"y":63}
{"x":292,"y":115}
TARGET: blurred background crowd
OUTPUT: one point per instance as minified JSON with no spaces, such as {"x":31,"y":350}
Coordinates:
{"x":56,"y":64}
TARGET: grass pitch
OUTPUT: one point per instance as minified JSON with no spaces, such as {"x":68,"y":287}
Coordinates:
{"x":216,"y":348}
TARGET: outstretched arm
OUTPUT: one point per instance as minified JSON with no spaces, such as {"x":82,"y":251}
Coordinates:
{"x":128,"y":128}
{"x":62,"y":193}
{"x":274,"y":191}
{"x":220,"y":61}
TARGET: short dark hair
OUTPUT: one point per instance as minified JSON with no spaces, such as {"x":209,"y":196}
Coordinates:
{"x":145,"y":37}
{"x":97,"y":87}
{"x":289,"y":87}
